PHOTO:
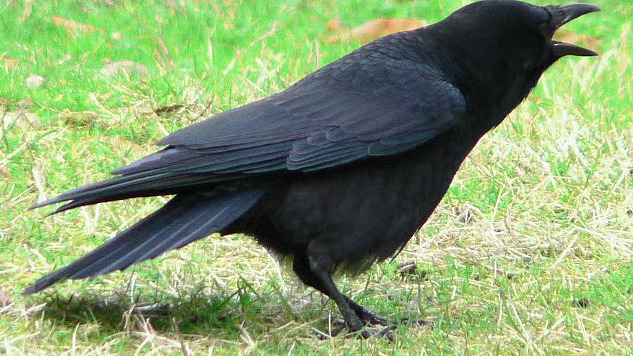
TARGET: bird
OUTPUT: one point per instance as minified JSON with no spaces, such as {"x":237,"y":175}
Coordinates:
{"x":340,"y":169}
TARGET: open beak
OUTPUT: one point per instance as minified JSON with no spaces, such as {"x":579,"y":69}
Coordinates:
{"x":562,"y":15}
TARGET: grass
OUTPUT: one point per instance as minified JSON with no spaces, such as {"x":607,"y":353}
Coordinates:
{"x":538,"y":262}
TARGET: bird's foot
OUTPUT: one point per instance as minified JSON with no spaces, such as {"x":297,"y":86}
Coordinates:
{"x":368,"y":316}
{"x":418,"y":322}
{"x":385,"y":328}
{"x":365,"y":332}
{"x":374,"y":326}
{"x":388,"y":332}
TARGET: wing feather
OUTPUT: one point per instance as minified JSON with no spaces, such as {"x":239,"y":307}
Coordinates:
{"x":372,"y":102}
{"x":318,"y":123}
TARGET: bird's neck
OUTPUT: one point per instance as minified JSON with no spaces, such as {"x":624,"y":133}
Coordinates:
{"x":492,"y":84}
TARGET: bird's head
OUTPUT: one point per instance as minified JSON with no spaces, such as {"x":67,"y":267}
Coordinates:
{"x":519,"y":26}
{"x":507,"y":45}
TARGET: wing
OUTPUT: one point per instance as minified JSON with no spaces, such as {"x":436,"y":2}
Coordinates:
{"x":353,"y":109}
{"x":370,"y":103}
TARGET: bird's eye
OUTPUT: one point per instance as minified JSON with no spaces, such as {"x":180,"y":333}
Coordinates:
{"x":546,"y":27}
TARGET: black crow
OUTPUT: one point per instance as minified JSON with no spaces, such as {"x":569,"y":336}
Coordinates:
{"x":340,"y":169}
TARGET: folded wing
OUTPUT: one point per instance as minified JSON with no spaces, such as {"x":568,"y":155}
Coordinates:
{"x":347,"y":111}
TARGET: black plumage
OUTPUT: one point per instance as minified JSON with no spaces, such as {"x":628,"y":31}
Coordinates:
{"x":340,"y":169}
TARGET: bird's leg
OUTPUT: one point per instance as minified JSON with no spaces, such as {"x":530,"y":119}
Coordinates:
{"x":370,"y":317}
{"x":319,"y":276}
{"x":367,"y":315}
{"x":317,"y":273}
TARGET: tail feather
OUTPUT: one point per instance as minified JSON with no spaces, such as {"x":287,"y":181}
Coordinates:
{"x":184,"y":219}
{"x":122,"y":187}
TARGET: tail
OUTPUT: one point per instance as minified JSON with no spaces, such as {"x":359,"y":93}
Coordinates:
{"x":184,"y":219}
{"x":142,"y":184}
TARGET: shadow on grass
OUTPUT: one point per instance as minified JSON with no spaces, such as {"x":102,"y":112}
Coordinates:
{"x":218,"y":313}
{"x":215,"y":310}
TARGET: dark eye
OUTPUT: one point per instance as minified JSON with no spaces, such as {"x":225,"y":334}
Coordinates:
{"x":541,"y":15}
{"x":545,"y":21}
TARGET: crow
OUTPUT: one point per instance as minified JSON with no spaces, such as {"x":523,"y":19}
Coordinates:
{"x":339,"y":170}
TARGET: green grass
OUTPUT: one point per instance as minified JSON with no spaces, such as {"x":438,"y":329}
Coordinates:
{"x":543,"y":266}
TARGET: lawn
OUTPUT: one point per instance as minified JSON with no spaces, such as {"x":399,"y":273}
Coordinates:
{"x":529,"y":252}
